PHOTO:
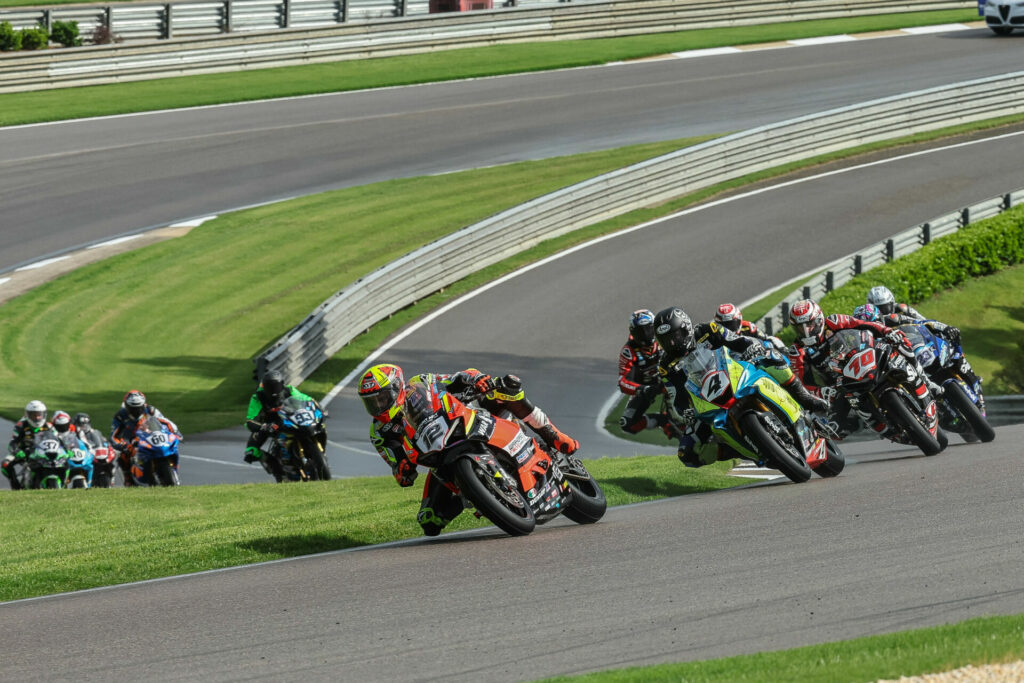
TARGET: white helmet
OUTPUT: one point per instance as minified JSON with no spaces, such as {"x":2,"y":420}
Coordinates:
{"x":35,"y":413}
{"x":883,"y":299}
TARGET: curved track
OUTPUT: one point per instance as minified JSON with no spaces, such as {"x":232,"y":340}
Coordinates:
{"x":660,"y":582}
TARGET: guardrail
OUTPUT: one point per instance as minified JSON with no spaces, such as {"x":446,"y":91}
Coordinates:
{"x":397,"y":285}
{"x":1004,"y":410}
{"x":247,"y":40}
{"x":842,"y":270}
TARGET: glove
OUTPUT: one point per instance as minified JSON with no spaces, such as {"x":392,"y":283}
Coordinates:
{"x":405,"y":472}
{"x":896,"y":338}
{"x":251,"y":455}
{"x":485,"y":384}
{"x":753,"y":353}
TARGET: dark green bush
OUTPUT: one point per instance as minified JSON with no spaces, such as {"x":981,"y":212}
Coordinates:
{"x":9,"y":38}
{"x":34,"y":38}
{"x":981,"y":248}
{"x":65,"y":33}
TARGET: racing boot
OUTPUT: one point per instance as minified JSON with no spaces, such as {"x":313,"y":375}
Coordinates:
{"x":8,"y":467}
{"x":126,"y":469}
{"x":806,"y":399}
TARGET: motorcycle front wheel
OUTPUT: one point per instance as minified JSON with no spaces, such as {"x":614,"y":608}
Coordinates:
{"x":505,"y":507}
{"x":588,"y":502}
{"x":834,"y":463}
{"x":319,"y":461}
{"x":897,"y":409}
{"x":164,"y":473}
{"x":795,"y":468}
{"x":963,"y":404}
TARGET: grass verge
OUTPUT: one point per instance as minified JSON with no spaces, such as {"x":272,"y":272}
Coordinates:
{"x":241,"y":86}
{"x":193,"y":528}
{"x":989,"y":640}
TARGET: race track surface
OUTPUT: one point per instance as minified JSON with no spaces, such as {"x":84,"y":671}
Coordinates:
{"x":898,"y":541}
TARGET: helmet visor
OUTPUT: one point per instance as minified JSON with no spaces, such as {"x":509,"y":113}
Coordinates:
{"x":379,"y":402}
{"x":36,"y":417}
{"x":676,"y":341}
{"x":643,"y":334}
{"x":732,"y":325}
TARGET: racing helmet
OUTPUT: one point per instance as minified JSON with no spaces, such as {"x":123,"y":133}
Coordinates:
{"x":61,"y":422}
{"x":883,"y":298}
{"x":382,"y":389}
{"x":730,"y":316}
{"x":273,"y":386}
{"x":82,"y":422}
{"x":674,"y":331}
{"x":641,"y":327}
{"x":135,"y":403}
{"x":35,"y":413}
{"x":808,"y":321}
{"x":868,"y":312}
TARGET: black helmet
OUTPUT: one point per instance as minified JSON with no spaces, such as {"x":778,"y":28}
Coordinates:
{"x":82,"y":422}
{"x":674,"y":331}
{"x":273,"y":385}
{"x":641,"y":327}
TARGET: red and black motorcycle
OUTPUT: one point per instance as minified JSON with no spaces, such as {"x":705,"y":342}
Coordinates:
{"x":497,"y":469}
{"x":877,"y":378}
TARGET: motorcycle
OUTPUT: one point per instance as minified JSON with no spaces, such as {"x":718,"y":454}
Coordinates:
{"x":295,"y":448}
{"x":154,"y":453}
{"x":748,"y":410}
{"x":104,"y":460}
{"x":962,"y":406}
{"x":505,"y":475}
{"x":47,"y":463}
{"x":868,"y":371}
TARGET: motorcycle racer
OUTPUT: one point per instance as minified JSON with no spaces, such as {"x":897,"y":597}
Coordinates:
{"x":124,"y":424}
{"x":383,"y":391}
{"x":883,"y":298}
{"x":813,"y":330}
{"x":25,"y":431}
{"x":638,"y":359}
{"x":92,"y":437}
{"x":678,"y":336}
{"x":259,"y":419}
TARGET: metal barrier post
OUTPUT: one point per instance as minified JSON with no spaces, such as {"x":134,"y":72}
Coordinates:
{"x":286,"y":13}
{"x":830,"y":279}
{"x":227,"y":16}
{"x":926,"y":233}
{"x":890,"y":250}
{"x":168,"y":28}
{"x":965,"y":217}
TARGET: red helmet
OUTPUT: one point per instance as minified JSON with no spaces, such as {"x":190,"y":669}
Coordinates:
{"x":808,"y":321}
{"x":382,"y":389}
{"x":730,"y":316}
{"x":61,"y":421}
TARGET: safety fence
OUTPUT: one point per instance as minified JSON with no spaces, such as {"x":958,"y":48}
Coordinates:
{"x":232,"y":35}
{"x":1005,"y":410}
{"x":842,"y":270}
{"x":434,"y":266}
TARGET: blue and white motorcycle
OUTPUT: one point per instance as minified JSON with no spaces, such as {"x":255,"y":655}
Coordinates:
{"x":962,"y":405}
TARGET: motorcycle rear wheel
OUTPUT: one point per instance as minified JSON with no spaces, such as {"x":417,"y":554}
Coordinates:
{"x":796,"y":469}
{"x":480,"y":488}
{"x":588,"y":502}
{"x":164,"y":473}
{"x":963,"y":404}
{"x":897,"y":408}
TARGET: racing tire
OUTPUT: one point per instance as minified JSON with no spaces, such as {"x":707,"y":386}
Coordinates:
{"x":477,"y":485}
{"x":78,"y":483}
{"x":1001,"y":30}
{"x":963,"y":404}
{"x":588,"y":502}
{"x":897,"y":408}
{"x":164,"y":473}
{"x":102,"y":480}
{"x":796,"y":469}
{"x":834,"y":464}
{"x":319,"y":462}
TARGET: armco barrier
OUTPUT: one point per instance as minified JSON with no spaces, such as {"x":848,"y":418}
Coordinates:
{"x":396,"y":285}
{"x":1005,"y":410}
{"x":247,"y":39}
{"x":839,"y":272}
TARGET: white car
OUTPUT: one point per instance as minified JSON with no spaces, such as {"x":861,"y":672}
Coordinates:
{"x":1002,"y":16}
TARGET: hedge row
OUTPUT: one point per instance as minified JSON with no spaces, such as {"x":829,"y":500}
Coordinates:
{"x":63,"y":32}
{"x":981,"y":248}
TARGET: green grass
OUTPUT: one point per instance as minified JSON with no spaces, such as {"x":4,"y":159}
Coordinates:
{"x":190,"y":91}
{"x":56,"y":541}
{"x":990,"y":640}
{"x":182,"y":319}
{"x":990,"y":314}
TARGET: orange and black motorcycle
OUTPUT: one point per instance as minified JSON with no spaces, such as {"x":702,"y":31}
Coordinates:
{"x":497,"y":469}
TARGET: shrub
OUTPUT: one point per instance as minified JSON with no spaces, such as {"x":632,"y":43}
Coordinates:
{"x":65,"y":33}
{"x":981,"y":248}
{"x":9,"y":38}
{"x":34,"y":38}
{"x":101,"y":35}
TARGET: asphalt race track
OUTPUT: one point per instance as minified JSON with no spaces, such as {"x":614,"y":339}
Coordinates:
{"x":898,"y":541}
